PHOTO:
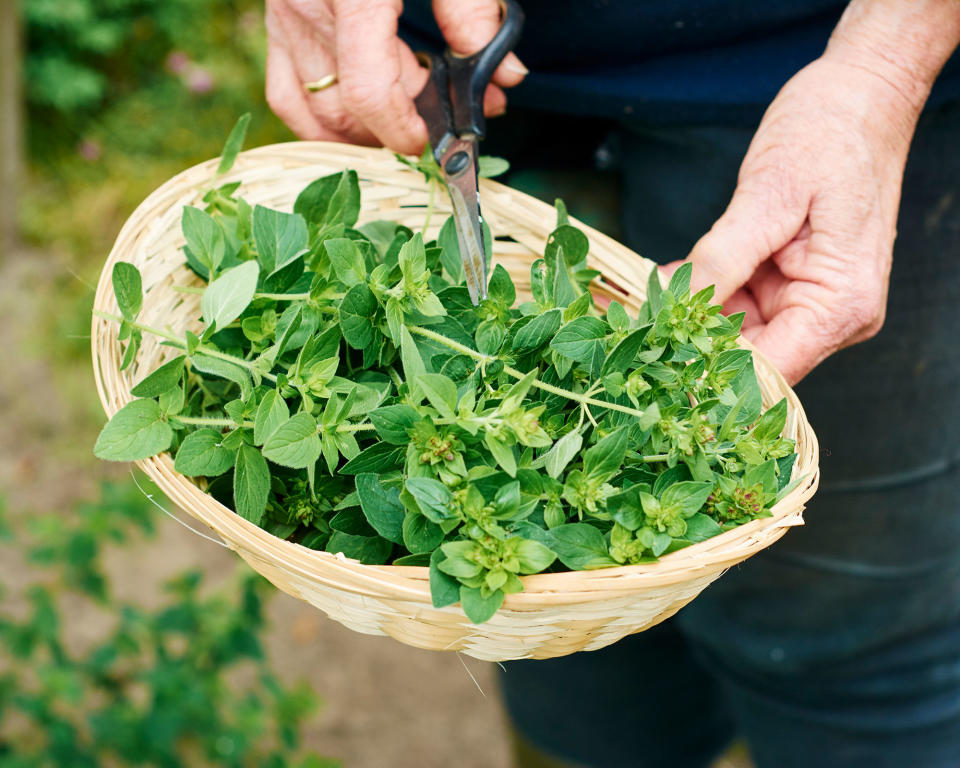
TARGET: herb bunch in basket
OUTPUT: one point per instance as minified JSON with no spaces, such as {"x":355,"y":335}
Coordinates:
{"x":341,"y":391}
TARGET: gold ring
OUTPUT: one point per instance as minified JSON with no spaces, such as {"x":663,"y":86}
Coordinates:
{"x":322,"y":84}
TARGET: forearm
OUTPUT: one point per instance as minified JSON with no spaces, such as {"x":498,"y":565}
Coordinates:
{"x":904,"y":42}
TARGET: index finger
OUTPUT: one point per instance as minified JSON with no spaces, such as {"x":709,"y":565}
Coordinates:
{"x":469,"y":25}
{"x":377,"y":84}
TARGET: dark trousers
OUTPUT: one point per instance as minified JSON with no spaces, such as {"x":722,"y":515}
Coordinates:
{"x":840,"y":644}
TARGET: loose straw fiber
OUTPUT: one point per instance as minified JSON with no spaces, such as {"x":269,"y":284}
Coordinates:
{"x":557,"y":613}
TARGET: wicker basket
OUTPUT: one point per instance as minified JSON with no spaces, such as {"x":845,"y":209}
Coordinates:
{"x":556,"y":614}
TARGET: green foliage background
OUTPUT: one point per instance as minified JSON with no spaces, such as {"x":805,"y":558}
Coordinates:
{"x":183,"y":684}
{"x":114,"y":107}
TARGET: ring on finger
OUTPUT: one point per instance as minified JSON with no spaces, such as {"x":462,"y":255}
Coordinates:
{"x":313,"y":86}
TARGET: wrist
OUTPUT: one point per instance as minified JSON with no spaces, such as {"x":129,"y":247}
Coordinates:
{"x":903,"y":44}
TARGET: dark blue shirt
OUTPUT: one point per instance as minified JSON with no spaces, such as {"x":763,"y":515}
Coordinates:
{"x":673,"y":59}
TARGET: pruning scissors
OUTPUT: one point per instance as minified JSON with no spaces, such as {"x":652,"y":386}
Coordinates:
{"x":451,"y":104}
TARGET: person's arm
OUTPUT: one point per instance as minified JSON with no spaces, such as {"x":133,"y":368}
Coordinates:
{"x":805,"y":246}
{"x":377,"y":76}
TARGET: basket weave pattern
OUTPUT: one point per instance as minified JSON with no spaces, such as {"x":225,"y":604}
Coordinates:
{"x":556,"y":614}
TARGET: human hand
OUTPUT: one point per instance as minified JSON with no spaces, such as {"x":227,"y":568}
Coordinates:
{"x":377,"y":74}
{"x":805,"y":246}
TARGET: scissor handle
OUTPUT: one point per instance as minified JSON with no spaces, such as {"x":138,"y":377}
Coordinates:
{"x":469,"y":75}
{"x":433,"y":102}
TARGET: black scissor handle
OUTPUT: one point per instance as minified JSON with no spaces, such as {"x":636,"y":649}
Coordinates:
{"x":469,"y":75}
{"x":433,"y":102}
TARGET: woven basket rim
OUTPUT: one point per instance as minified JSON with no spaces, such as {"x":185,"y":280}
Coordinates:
{"x":411,"y":582}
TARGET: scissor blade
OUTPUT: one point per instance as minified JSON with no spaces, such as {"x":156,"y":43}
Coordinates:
{"x":462,"y":184}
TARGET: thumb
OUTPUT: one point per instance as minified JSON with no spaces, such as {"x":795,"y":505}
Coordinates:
{"x":468,"y":25}
{"x":756,"y":224}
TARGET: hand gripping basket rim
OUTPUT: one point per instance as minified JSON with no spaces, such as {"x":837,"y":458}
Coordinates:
{"x":556,"y":614}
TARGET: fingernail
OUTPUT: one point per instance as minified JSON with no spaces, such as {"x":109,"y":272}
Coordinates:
{"x":516,"y":67}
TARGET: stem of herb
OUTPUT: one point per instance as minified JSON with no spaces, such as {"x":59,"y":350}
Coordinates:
{"x":584,"y":409}
{"x":272,"y":296}
{"x":464,"y":350}
{"x":182,"y":345}
{"x":206,"y":421}
{"x":653,"y":457}
{"x":282,"y":296}
{"x":426,"y":222}
{"x":235,"y":360}
{"x":141,"y":327}
{"x":397,"y":380}
{"x":355,"y":427}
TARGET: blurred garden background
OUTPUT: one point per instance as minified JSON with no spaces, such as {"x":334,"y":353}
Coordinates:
{"x":126,"y":639}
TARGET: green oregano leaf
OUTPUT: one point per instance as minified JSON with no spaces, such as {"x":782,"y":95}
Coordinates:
{"x":533,"y":557}
{"x":580,"y":546}
{"x":688,"y":496}
{"x":251,"y":484}
{"x":226,"y":297}
{"x":432,"y":497}
{"x":202,"y":454}
{"x":393,"y":422}
{"x":369,"y":550}
{"x":501,"y":288}
{"x":680,"y":282}
{"x":623,"y":354}
{"x":604,"y":459}
{"x":441,"y":392}
{"x":137,"y":431}
{"x":378,"y":457}
{"x":570,"y":243}
{"x":654,"y":291}
{"x":771,"y":424}
{"x":562,"y":453}
{"x":578,"y":338}
{"x":617,"y":317}
{"x":356,"y":316}
{"x":205,"y":239}
{"x":502,"y":452}
{"x":128,"y":288}
{"x":381,"y":507}
{"x":280,"y":238}
{"x":344,"y":205}
{"x":444,"y":589}
{"x":701,"y":527}
{"x":538,"y":331}
{"x":234,"y":144}
{"x":167,"y":376}
{"x":271,"y":414}
{"x":347,"y":261}
{"x":419,"y":534}
{"x":225,"y":369}
{"x":294,"y":443}
{"x":492,"y":166}
{"x":477,"y":607}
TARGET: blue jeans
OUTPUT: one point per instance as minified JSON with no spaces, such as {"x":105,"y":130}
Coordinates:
{"x":840,"y":644}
